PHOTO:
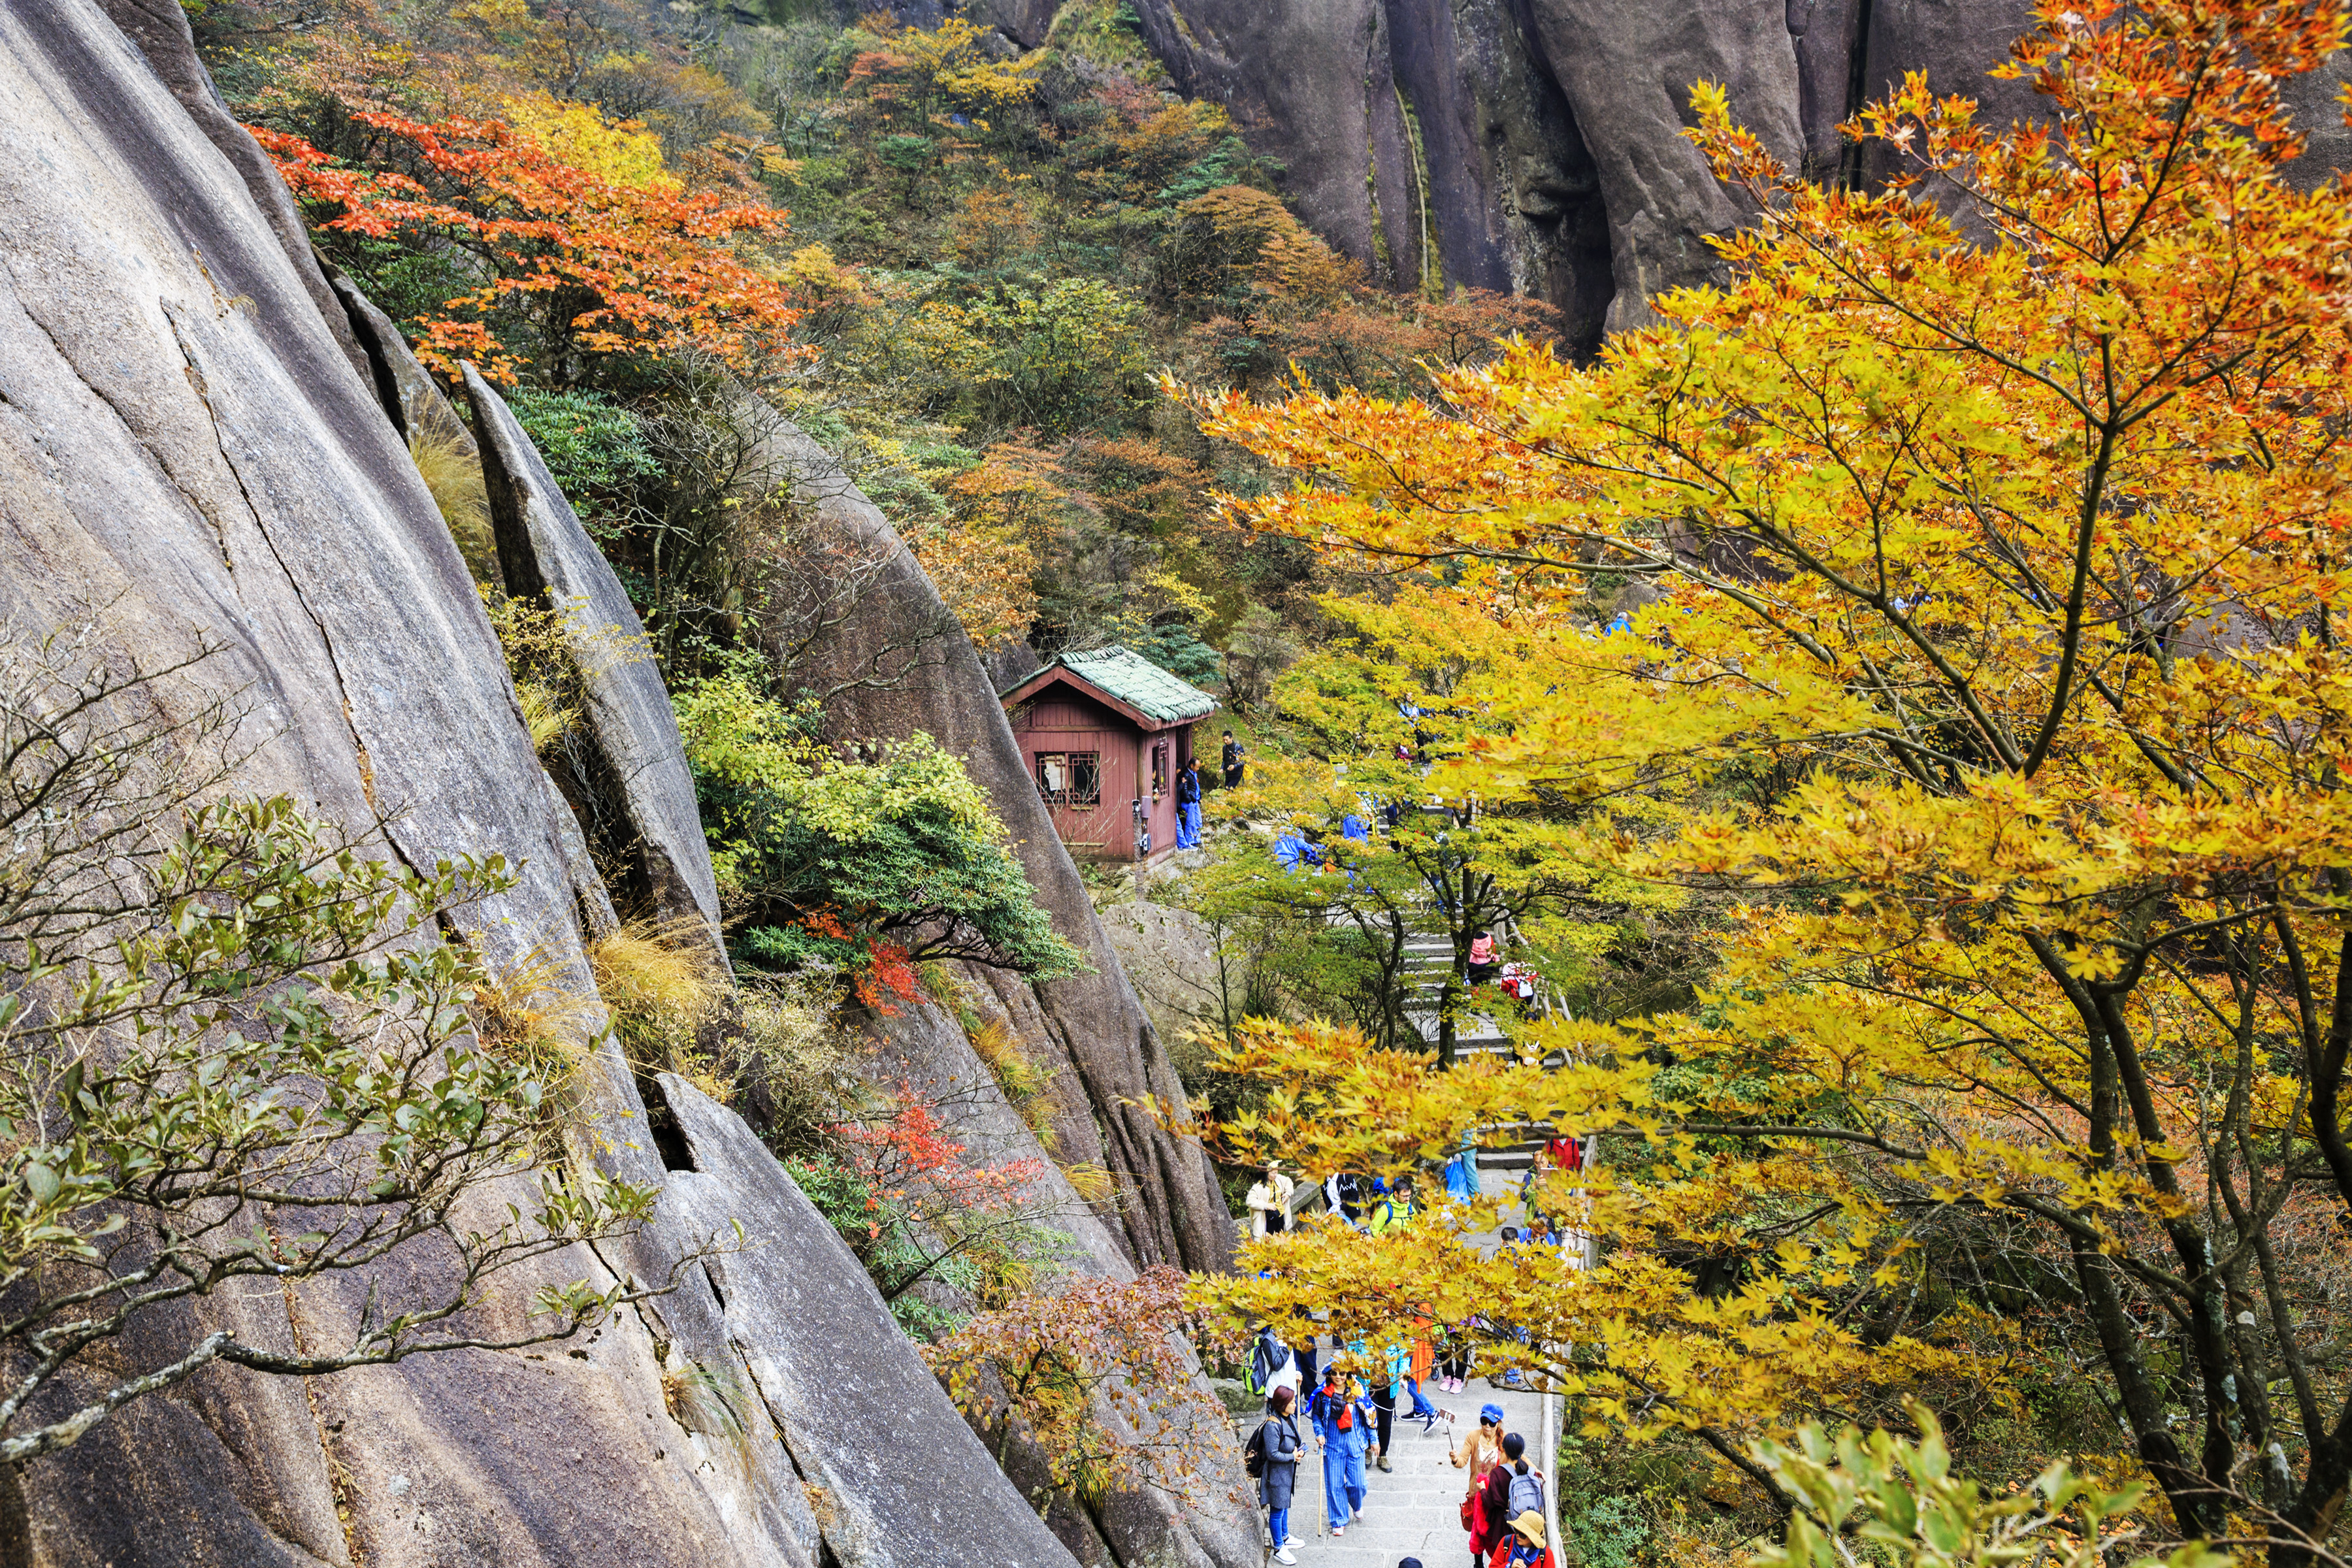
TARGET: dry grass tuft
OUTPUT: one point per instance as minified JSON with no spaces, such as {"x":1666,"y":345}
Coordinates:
{"x":806,"y":1067}
{"x":532,"y":1016}
{"x":1093,"y":1183}
{"x":711,"y":1403}
{"x":455,"y":479}
{"x":1027,"y":1085}
{"x":544,"y":714}
{"x":662,"y":981}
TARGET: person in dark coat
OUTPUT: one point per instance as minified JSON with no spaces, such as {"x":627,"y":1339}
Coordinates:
{"x":1233,"y":762}
{"x":1283,"y":1444}
{"x":1494,"y":1503}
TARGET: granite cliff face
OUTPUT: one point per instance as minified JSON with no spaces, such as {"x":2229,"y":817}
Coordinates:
{"x":1534,"y":146}
{"x":200,"y":447}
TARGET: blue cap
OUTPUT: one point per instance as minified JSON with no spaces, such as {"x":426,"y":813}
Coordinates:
{"x":1491,"y":1413}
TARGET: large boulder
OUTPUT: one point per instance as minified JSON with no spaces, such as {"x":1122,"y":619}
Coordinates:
{"x":634,"y":780}
{"x":1171,"y":958}
{"x":894,"y":1477}
{"x":192,"y":456}
{"x":1528,"y":145}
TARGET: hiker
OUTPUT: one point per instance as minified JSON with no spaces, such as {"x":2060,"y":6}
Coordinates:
{"x":1415,"y":1371}
{"x":1344,"y":1194}
{"x":1481,"y":1452}
{"x":1272,"y":1365}
{"x":1457,"y":1179}
{"x":1451,"y":1366}
{"x":1383,"y":1396}
{"x":1524,"y":1500}
{"x":1482,"y":958}
{"x":1391,"y":1205}
{"x":1482,"y":1448}
{"x":1469,"y":1153}
{"x":1188,"y":807}
{"x":1274,"y":1451}
{"x":1270,"y":1202}
{"x":1526,"y":1544}
{"x":1233,"y":762}
{"x":1490,"y":1544}
{"x":1342,"y":1418}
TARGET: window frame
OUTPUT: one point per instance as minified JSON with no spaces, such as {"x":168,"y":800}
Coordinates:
{"x":1073,"y":766}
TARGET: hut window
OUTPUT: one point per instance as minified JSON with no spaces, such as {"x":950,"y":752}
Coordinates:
{"x":1070,"y":778}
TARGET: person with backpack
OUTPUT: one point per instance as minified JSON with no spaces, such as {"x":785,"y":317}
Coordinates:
{"x":1526,"y":1495}
{"x":1483,"y":965}
{"x":1343,"y":1419}
{"x":1271,"y":1458}
{"x":1188,"y":807}
{"x":1272,"y":1367}
{"x":1509,"y":1483}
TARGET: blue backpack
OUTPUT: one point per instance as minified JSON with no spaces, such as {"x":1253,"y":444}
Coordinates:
{"x":1526,"y":1495}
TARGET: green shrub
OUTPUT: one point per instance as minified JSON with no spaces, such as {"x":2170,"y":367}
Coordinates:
{"x":840,"y":859}
{"x":596,"y":449}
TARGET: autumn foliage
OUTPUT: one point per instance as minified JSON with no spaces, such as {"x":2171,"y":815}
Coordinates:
{"x":1993,"y":529}
{"x":573,"y":262}
{"x":1095,"y":1374}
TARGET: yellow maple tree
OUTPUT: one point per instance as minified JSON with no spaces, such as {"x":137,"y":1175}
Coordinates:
{"x":1995,"y":527}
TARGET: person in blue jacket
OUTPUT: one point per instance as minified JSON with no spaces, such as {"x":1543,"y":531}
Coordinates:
{"x":1188,"y":807}
{"x":1343,"y":1418}
{"x":1292,"y":852}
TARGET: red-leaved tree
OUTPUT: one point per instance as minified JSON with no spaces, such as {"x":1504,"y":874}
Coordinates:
{"x":570,"y":263}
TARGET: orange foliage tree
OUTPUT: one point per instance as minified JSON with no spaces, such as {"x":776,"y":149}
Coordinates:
{"x":2001,"y":539}
{"x":571,"y":263}
{"x":1279,"y":298}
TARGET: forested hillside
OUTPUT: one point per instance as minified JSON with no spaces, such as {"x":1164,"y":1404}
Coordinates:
{"x":1804,"y":746}
{"x":959,"y":265}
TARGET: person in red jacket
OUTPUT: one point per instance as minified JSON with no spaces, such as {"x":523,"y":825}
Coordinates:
{"x":1524,"y":1546}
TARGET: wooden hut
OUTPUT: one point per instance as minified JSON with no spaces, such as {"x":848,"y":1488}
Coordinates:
{"x":1104,"y":733}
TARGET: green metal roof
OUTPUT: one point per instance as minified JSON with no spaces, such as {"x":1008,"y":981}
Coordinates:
{"x":1133,"y":679}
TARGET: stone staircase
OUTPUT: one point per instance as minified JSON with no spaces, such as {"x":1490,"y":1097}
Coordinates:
{"x":1427,"y":960}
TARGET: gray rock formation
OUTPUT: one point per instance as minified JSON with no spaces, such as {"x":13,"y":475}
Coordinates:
{"x":192,"y":452}
{"x":1535,"y":145}
{"x":817,"y":1360}
{"x":925,"y":1048}
{"x":409,"y":395}
{"x":1528,"y":145}
{"x":896,"y":665}
{"x":1171,"y":958}
{"x":635,"y":783}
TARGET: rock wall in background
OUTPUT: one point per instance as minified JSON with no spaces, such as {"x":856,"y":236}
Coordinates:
{"x":1534,"y":146}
